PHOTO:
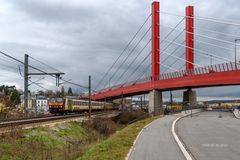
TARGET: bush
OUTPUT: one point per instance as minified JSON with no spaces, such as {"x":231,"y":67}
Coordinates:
{"x":127,"y":117}
{"x":104,"y":126}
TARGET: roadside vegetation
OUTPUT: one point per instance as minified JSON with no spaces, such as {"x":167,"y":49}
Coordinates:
{"x":117,"y":146}
{"x":74,"y":139}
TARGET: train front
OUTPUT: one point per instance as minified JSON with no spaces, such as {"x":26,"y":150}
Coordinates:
{"x":56,"y":105}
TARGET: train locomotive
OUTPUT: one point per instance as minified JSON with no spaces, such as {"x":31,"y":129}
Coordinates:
{"x":75,"y":105}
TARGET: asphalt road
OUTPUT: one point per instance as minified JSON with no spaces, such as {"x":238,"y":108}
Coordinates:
{"x":157,"y":143}
{"x":209,"y":137}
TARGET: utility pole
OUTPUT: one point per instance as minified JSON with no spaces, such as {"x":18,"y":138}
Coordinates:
{"x":89,"y":96}
{"x":26,"y":83}
{"x":26,"y":79}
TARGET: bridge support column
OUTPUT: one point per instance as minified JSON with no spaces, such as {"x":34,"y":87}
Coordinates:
{"x":189,"y":38}
{"x":155,"y":103}
{"x":189,"y":98}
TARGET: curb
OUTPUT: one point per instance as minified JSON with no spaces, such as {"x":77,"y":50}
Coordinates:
{"x":183,"y":149}
{"x":178,"y":141}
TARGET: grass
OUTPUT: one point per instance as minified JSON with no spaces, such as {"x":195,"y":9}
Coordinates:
{"x":65,"y":141}
{"x":117,"y":146}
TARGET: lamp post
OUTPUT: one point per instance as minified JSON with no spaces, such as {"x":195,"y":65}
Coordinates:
{"x":236,"y":52}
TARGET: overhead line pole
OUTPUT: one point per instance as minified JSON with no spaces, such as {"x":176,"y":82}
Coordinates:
{"x":89,"y":96}
{"x":26,"y":83}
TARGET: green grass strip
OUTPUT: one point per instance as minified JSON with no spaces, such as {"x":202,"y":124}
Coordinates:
{"x":117,"y":146}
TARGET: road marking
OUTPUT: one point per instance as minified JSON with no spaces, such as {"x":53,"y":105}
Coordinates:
{"x":183,"y":149}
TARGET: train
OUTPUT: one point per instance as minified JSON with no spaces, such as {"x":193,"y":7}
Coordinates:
{"x":67,"y":105}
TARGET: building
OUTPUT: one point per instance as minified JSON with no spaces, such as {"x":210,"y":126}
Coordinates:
{"x":41,"y":104}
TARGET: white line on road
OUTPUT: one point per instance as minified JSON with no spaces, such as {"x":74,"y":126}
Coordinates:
{"x":183,"y":149}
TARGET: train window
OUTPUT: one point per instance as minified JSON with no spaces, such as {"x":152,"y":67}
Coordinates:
{"x":59,"y":99}
{"x":52,"y":100}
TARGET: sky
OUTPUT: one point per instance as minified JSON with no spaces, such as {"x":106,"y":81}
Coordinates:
{"x":82,"y":38}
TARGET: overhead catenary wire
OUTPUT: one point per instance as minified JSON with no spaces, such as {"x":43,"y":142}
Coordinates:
{"x":35,"y":68}
{"x":125,"y":48}
{"x":44,"y":64}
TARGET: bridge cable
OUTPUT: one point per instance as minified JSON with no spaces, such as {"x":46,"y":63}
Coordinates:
{"x":204,"y":36}
{"x":126,"y":70}
{"x":134,"y":36}
{"x":138,"y":67}
{"x":174,"y":62}
{"x":130,"y":53}
{"x":211,"y":19}
{"x":201,"y":52}
{"x":169,"y":35}
{"x":216,"y":32}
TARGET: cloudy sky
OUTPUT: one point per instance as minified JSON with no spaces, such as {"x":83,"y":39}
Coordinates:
{"x":82,"y":38}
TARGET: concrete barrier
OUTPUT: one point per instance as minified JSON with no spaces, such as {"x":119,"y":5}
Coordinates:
{"x":193,"y":111}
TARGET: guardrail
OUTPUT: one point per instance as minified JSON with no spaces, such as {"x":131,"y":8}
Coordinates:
{"x":223,"y":67}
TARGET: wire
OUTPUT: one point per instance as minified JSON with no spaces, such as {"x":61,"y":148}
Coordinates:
{"x":204,"y":36}
{"x":168,"y":67}
{"x":174,"y":62}
{"x":38,"y":85}
{"x":127,"y":69}
{"x":172,"y":52}
{"x":173,"y":28}
{"x":44,"y":64}
{"x":134,"y":36}
{"x":144,"y":71}
{"x":182,"y":59}
{"x":211,"y":31}
{"x":126,"y":58}
{"x":40,"y":69}
{"x":137,"y":67}
{"x":211,"y":19}
{"x":214,"y":45}
{"x":201,"y":51}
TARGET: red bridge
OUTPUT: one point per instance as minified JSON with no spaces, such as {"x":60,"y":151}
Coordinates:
{"x":193,"y":76}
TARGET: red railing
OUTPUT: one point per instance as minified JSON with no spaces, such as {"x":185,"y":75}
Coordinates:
{"x":224,"y":67}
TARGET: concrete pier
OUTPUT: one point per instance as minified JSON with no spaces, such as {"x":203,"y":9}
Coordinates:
{"x":155,"y":103}
{"x":189,"y":98}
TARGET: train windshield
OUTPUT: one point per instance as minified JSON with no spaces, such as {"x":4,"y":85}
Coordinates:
{"x":52,"y":100}
{"x":59,"y":99}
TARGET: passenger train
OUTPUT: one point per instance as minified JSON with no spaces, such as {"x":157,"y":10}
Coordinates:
{"x":75,"y":105}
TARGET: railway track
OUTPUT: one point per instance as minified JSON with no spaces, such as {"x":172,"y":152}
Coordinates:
{"x":25,"y":121}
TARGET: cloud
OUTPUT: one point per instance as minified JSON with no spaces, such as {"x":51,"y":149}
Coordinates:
{"x":84,"y":38}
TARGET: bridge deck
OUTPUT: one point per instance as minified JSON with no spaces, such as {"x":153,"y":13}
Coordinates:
{"x":178,"y":80}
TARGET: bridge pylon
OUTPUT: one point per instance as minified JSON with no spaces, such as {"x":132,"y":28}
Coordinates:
{"x":189,"y":38}
{"x":155,"y":96}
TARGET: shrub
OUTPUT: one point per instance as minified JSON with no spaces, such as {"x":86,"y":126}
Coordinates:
{"x":104,"y":126}
{"x":127,"y":117}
